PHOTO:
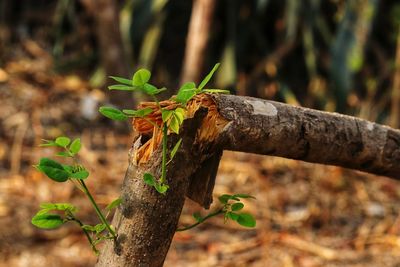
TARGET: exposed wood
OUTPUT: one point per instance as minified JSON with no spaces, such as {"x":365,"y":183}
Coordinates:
{"x":197,"y":38}
{"x":146,"y":222}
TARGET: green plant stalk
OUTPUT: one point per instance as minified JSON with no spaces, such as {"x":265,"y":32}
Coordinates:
{"x":164,"y":155}
{"x":215,"y":213}
{"x":86,"y":234}
{"x":99,"y":213}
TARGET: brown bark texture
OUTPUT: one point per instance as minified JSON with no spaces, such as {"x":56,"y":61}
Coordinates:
{"x":147,"y":220}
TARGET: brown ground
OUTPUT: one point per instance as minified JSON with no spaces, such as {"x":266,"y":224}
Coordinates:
{"x":307,"y":215}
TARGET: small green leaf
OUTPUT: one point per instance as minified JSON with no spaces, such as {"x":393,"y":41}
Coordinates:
{"x":141,"y":77}
{"x":58,"y":206}
{"x":53,"y":170}
{"x":246,"y":220}
{"x":197,"y":216}
{"x":75,"y":146}
{"x":100,"y":227}
{"x":216,"y":91}
{"x":48,"y":143}
{"x":208,"y":77}
{"x":152,"y":90}
{"x":175,"y":149}
{"x":186,"y":92}
{"x":179,"y":113}
{"x":166,"y":114}
{"x":63,"y":154}
{"x":62,"y":141}
{"x":83,"y":174}
{"x":149,"y":179}
{"x":88,"y":227}
{"x":224,"y":198}
{"x":121,"y":87}
{"x":243,"y":196}
{"x":113,"y":113}
{"x":237,"y":206}
{"x":121,"y":80}
{"x":174,"y":125}
{"x":138,"y":113}
{"x":161,"y":188}
{"x":114,"y":203}
{"x":233,"y":216}
{"x":47,"y":221}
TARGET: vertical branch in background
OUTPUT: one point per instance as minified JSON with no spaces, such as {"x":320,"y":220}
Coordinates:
{"x":199,"y":28}
{"x":395,"y":110}
{"x":106,"y":16}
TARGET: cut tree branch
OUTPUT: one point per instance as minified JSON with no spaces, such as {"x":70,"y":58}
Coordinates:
{"x":146,"y":221}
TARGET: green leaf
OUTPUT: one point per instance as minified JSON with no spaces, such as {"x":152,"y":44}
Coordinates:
{"x":53,"y":170}
{"x":161,"y":188}
{"x":152,"y":90}
{"x":243,"y":196}
{"x":216,"y":91}
{"x":208,"y":77}
{"x":121,"y":80}
{"x":149,"y":179}
{"x":121,"y":87}
{"x":166,"y":114}
{"x":88,"y":227}
{"x":237,"y":206}
{"x":175,"y":149}
{"x":47,"y":221}
{"x":83,"y":174}
{"x":113,"y":113}
{"x":233,"y":216}
{"x":63,"y":154}
{"x":114,"y":203}
{"x":197,"y":216}
{"x":174,"y":125}
{"x":246,"y":220}
{"x":141,"y":77}
{"x":58,"y":206}
{"x":62,"y":141}
{"x":48,"y":143}
{"x":138,"y":113}
{"x":100,"y":227}
{"x":186,"y":92}
{"x":179,"y":113}
{"x":75,"y":146}
{"x":224,"y":198}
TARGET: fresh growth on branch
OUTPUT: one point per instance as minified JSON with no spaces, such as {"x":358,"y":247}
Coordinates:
{"x":53,"y":215}
{"x":171,"y":121}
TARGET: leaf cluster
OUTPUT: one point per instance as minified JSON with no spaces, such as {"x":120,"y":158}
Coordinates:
{"x":53,"y":215}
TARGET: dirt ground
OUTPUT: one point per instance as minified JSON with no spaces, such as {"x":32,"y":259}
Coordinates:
{"x":307,"y":215}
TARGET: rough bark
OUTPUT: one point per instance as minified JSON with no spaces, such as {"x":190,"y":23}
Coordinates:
{"x":197,"y":38}
{"x":277,"y":129}
{"x":146,"y":220}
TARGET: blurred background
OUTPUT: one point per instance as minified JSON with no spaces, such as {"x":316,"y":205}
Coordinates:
{"x":333,"y":55}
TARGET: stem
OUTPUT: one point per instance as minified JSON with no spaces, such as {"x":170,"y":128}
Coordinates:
{"x":86,"y":234}
{"x":99,"y":213}
{"x":164,"y":155}
{"x":215,"y":213}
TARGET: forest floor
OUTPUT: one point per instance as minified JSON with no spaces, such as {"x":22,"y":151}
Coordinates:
{"x":307,"y":214}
